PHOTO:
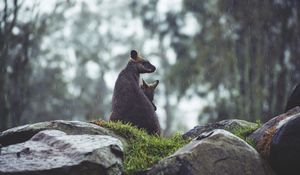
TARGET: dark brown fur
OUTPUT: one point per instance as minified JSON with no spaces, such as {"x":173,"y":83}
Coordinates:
{"x":148,"y":89}
{"x":129,"y":103}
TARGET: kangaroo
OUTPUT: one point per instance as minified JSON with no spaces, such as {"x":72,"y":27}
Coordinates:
{"x":129,"y":102}
{"x":148,"y":90}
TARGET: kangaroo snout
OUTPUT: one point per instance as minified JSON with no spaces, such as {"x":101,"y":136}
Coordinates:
{"x":153,"y":69}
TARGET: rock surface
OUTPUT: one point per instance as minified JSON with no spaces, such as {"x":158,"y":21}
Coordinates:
{"x":262,"y":137}
{"x":213,"y":153}
{"x":55,"y":152}
{"x":228,"y":125}
{"x":285,"y":147}
{"x":25,"y":132}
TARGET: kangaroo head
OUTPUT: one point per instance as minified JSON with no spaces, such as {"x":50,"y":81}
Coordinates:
{"x":142,"y":65}
{"x":148,"y":90}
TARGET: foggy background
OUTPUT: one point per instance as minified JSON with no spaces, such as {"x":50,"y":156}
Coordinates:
{"x":215,"y":59}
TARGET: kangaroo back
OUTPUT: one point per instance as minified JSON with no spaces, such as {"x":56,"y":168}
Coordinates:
{"x":129,"y":103}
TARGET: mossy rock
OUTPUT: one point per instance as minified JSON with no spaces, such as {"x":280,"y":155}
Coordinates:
{"x":240,"y":128}
{"x":231,"y":125}
{"x":143,"y":150}
{"x":215,"y":152}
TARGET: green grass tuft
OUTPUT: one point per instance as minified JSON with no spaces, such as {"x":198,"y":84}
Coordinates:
{"x":244,"y":132}
{"x":143,"y":150}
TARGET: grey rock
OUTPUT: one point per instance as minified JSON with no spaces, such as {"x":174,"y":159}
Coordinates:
{"x":25,"y":132}
{"x":55,"y":152}
{"x":228,"y":125}
{"x":217,"y":152}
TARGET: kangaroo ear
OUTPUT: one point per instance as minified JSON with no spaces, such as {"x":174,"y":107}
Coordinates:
{"x":144,"y":83}
{"x":134,"y":54}
{"x":154,"y":85}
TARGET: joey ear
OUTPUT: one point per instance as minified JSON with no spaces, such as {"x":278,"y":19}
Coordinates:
{"x":154,"y":85}
{"x":134,"y":54}
{"x":144,"y":83}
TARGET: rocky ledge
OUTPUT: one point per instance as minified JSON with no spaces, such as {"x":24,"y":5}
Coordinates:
{"x":225,"y":147}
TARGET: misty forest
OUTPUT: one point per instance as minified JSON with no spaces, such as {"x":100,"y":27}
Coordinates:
{"x":215,"y":59}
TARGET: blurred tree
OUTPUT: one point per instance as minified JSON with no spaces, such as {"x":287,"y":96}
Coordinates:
{"x":61,"y":86}
{"x":49,"y":97}
{"x":247,"y":52}
{"x":242,"y":56}
{"x":6,"y":30}
{"x":16,"y":50}
{"x":21,"y":31}
{"x":76,"y":65}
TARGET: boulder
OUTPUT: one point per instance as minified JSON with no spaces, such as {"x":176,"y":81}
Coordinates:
{"x":278,"y":142}
{"x":263,"y":136}
{"x":23,"y":133}
{"x":55,"y":152}
{"x":228,"y":125}
{"x":213,"y":153}
{"x":285,"y":147}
